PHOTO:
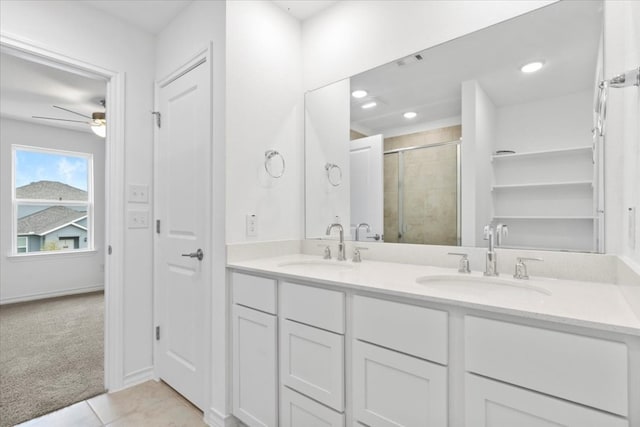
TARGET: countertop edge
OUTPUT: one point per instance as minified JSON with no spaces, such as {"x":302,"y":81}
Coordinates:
{"x":569,"y":321}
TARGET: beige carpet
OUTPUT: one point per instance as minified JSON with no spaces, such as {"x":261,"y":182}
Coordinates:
{"x":51,"y":355}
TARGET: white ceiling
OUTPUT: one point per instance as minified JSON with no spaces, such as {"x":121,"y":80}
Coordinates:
{"x":32,"y":89}
{"x":153,"y":15}
{"x":565,"y":35}
{"x":149,"y":15}
{"x":304,"y":9}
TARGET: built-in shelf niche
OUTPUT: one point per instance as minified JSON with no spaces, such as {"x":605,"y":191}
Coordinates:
{"x":546,"y":197}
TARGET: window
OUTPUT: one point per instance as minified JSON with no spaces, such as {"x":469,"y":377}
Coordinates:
{"x":52,"y":200}
{"x":22,"y":245}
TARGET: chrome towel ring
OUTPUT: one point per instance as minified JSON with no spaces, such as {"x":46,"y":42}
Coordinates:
{"x":275,"y":168}
{"x":334,"y":174}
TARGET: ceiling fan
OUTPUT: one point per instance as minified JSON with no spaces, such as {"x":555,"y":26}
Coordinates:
{"x":97,"y":121}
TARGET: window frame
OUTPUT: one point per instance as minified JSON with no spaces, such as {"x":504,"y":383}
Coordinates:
{"x":15,"y":202}
{"x":25,"y":247}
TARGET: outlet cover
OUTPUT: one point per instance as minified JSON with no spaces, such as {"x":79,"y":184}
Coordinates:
{"x":252,"y":225}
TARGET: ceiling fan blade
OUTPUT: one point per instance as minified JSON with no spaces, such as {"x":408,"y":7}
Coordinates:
{"x":73,"y":112}
{"x":62,"y":120}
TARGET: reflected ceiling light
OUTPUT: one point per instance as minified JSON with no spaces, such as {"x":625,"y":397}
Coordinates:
{"x":99,"y":124}
{"x":359,"y":93}
{"x":532,"y":67}
{"x":410,"y":115}
{"x":369,"y":105}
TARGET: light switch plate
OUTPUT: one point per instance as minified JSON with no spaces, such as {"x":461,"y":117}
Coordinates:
{"x":138,"y":219}
{"x":138,"y":193}
{"x":252,"y":225}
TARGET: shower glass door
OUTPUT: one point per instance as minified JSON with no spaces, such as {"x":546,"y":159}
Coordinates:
{"x":422,"y":195}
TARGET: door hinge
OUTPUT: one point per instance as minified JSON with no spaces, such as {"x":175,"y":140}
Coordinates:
{"x":158,"y":118}
{"x":157,"y":333}
{"x":158,"y":226}
{"x":109,"y":250}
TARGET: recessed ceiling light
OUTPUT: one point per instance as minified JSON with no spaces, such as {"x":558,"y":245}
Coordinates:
{"x":369,"y":105}
{"x":359,"y":93}
{"x":410,"y":115}
{"x":532,"y":67}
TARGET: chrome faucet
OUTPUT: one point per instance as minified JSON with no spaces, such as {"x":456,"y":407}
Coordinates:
{"x":521,"y":268}
{"x":494,"y":236}
{"x":362,"y":224}
{"x":342,"y":253}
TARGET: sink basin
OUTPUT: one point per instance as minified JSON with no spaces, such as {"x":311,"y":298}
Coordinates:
{"x":317,"y":266}
{"x":483,"y":284}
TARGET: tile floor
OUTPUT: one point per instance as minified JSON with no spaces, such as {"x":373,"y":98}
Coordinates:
{"x":152,"y":404}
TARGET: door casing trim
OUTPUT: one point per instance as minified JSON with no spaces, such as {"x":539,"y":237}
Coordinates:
{"x":114,"y":192}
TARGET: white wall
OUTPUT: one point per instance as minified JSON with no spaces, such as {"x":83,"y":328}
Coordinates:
{"x":622,"y":139}
{"x":193,"y":29}
{"x":356,"y":35}
{"x":560,"y":122}
{"x":264,"y":111}
{"x":478,"y":134}
{"x":81,"y":32}
{"x":40,"y":276}
{"x":327,"y":141}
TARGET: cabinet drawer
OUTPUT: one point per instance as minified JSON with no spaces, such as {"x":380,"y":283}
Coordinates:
{"x":392,"y":389}
{"x":581,"y":369}
{"x":255,"y":379}
{"x":254,"y":291}
{"x":317,"y":307}
{"x":494,"y":404}
{"x":297,"y":410}
{"x":414,"y":330}
{"x":312,"y":362}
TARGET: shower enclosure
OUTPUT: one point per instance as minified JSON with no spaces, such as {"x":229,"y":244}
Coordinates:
{"x":422,"y":194}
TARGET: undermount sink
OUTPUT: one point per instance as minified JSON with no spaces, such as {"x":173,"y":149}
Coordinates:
{"x":317,"y":265}
{"x":469,"y":283}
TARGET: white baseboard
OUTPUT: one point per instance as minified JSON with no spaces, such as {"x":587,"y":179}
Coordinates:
{"x":138,"y":377}
{"x":52,"y":294}
{"x":214,"y":418}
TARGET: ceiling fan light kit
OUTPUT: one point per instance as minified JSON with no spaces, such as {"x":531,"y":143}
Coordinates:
{"x":99,"y":124}
{"x":97,"y":121}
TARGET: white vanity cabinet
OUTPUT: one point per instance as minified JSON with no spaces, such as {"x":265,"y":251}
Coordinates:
{"x":306,"y":356}
{"x":540,"y":373}
{"x":254,"y":336}
{"x":395,"y":379}
{"x":312,"y":355}
{"x":495,"y":404}
{"x":297,"y":410}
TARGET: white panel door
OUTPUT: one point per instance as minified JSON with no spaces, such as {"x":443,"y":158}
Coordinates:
{"x":392,"y":389}
{"x":365,"y":160}
{"x":312,"y":362}
{"x":496,"y":404}
{"x":183,"y":189}
{"x":255,"y":369}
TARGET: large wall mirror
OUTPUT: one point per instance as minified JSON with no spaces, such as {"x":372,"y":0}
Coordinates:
{"x":491,"y":128}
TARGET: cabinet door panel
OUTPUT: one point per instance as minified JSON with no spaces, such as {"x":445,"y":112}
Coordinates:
{"x":312,"y":362}
{"x":495,"y":404}
{"x":255,"y":378}
{"x":322,"y":308}
{"x":581,"y":369}
{"x":254,"y":291}
{"x":299,"y":411}
{"x":393,"y":389}
{"x":411,"y":329}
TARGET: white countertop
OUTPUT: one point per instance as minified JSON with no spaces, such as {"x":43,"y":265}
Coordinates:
{"x":588,"y":304}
